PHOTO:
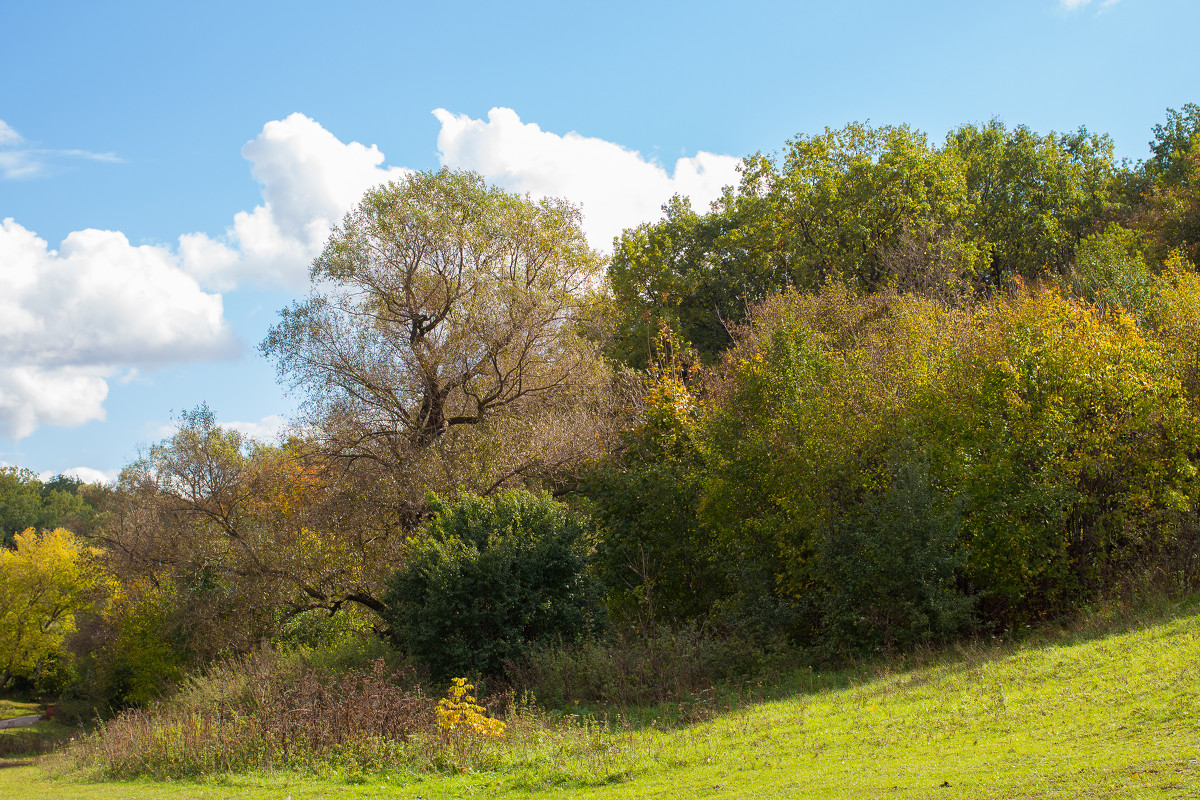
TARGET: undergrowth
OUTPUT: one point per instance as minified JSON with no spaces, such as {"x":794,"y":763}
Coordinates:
{"x":271,"y":712}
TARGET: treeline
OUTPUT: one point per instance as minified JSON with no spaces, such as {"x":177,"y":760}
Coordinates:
{"x":883,"y":392}
{"x":883,"y":209}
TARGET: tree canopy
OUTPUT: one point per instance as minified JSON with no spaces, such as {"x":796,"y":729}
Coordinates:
{"x":441,"y":338}
{"x":44,"y":582}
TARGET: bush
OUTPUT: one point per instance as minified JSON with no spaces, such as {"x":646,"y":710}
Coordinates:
{"x":652,"y":554}
{"x":135,"y":652}
{"x":488,"y":578}
{"x":892,"y":570}
{"x":658,"y":665}
{"x":259,"y":711}
{"x":1067,"y":438}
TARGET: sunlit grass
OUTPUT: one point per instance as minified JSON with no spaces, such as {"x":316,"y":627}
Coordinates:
{"x":1070,"y":715}
{"x":15,"y":708}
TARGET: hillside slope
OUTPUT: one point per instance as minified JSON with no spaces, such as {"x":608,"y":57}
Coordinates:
{"x":1110,"y":716}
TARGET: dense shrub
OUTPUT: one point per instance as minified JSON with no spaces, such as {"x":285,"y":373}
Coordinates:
{"x":892,"y":570}
{"x":1111,"y":271}
{"x":640,"y":668}
{"x":133,"y":652}
{"x":652,"y":553}
{"x":1071,"y":442}
{"x":259,"y":711}
{"x":1061,"y":449}
{"x":488,"y":578}
{"x":802,"y":418}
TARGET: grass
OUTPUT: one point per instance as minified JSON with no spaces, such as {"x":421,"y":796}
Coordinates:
{"x":1070,"y":714}
{"x":15,"y":708}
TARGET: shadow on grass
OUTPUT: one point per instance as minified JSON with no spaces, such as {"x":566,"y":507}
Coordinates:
{"x":1102,"y":621}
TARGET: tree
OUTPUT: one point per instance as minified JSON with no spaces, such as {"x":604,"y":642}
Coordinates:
{"x":243,"y":532}
{"x":1031,"y":197}
{"x":1174,"y":142}
{"x":489,"y":578}
{"x":441,"y":338}
{"x":872,"y":208}
{"x":44,"y":582}
{"x":28,"y":502}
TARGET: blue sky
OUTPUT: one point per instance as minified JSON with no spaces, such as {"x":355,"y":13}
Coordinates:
{"x":167,"y":171}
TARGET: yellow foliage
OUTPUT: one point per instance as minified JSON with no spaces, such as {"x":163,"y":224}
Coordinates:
{"x":47,"y":579}
{"x":458,"y":713}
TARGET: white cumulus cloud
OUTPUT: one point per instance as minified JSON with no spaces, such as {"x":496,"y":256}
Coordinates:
{"x":616,"y":187}
{"x":72,"y":317}
{"x":31,"y":396}
{"x":266,"y":429}
{"x":309,"y":179}
{"x":85,"y":474}
{"x":100,"y":309}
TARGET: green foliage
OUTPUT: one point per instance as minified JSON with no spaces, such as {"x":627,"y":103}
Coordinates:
{"x":802,"y":418}
{"x":651,"y":552}
{"x":1175,"y":141}
{"x":843,"y":202}
{"x":26,"y":502}
{"x":140,"y":654}
{"x":874,"y":209}
{"x":1111,"y":271}
{"x":649,"y":667}
{"x":1031,"y":197}
{"x":487,"y":579}
{"x":677,"y":273}
{"x":891,"y":570}
{"x":1071,"y":442}
{"x":1061,"y":443}
{"x":1172,"y":317}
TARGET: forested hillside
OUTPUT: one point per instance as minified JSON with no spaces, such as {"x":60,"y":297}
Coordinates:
{"x":889,"y":392}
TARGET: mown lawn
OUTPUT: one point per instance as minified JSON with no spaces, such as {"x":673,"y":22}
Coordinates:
{"x":1111,"y":716}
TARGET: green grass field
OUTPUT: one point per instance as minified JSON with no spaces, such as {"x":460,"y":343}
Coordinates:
{"x":1072,"y":715}
{"x":16,"y":708}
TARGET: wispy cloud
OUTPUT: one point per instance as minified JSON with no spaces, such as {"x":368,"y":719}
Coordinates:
{"x":8,"y":136}
{"x":19,"y":160}
{"x":1076,"y":5}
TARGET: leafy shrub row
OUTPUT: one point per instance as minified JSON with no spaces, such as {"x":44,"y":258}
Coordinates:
{"x":882,"y":470}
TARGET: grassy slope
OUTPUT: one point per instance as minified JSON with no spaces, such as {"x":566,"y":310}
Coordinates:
{"x":1117,"y":716}
{"x":14,"y":708}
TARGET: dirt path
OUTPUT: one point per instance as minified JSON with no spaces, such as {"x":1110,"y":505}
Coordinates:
{"x":19,"y":722}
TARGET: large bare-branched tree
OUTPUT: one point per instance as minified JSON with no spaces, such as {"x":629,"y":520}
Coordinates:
{"x":441,"y":339}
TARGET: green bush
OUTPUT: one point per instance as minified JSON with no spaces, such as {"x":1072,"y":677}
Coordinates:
{"x":647,"y":667}
{"x":1110,"y":271}
{"x":652,"y":554}
{"x":140,"y":653}
{"x":893,"y":569}
{"x":1067,"y":438}
{"x":488,"y":578}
